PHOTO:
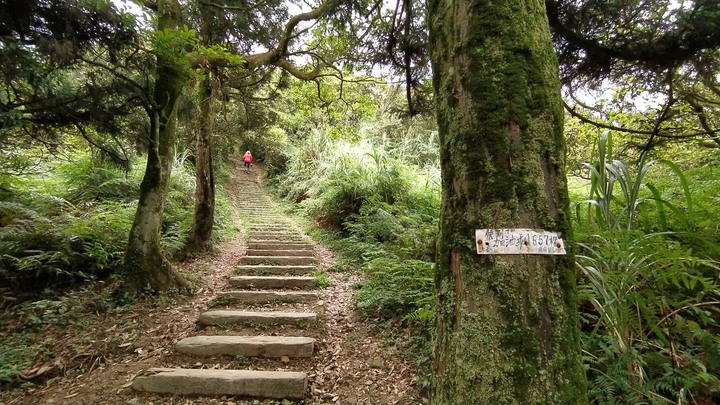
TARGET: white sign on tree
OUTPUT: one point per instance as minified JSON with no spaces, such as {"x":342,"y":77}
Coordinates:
{"x":518,"y":241}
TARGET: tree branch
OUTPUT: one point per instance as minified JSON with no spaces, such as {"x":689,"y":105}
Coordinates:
{"x":231,"y":8}
{"x":598,"y":124}
{"x":667,"y":50}
{"x":272,"y":57}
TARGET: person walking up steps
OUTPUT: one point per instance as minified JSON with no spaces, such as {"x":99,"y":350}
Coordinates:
{"x":247,"y":158}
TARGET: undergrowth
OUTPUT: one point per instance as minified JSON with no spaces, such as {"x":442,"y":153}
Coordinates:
{"x":379,"y":213}
{"x":651,"y":298}
{"x":71,"y":224}
{"x":63,"y":234}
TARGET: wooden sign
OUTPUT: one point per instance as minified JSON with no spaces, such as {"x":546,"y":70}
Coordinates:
{"x":518,"y":242}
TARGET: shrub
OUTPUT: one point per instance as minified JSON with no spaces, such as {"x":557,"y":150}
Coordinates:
{"x":51,"y":241}
{"x":650,"y":304}
{"x":649,"y":327}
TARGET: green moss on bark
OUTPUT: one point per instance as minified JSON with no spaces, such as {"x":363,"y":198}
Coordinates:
{"x":507,"y":329}
{"x":145,"y":266}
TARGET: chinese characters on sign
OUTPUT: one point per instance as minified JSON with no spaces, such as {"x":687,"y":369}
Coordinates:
{"x":518,"y":241}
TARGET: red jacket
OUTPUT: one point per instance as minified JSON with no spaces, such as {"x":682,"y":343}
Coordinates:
{"x":247,"y":157}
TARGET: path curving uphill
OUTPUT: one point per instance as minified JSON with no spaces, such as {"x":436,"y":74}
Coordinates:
{"x":267,"y":316}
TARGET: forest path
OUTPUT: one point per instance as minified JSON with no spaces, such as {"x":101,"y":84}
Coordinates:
{"x":267,"y":317}
{"x":246,"y":335}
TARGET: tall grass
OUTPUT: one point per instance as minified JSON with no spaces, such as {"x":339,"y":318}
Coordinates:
{"x":651,"y":303}
{"x":383,"y":212}
{"x":378,"y":208}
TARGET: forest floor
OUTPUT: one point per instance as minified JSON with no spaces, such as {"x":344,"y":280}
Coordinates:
{"x":96,"y":357}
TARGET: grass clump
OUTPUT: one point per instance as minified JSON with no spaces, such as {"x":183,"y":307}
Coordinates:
{"x":651,"y":300}
{"x":321,"y":279}
{"x":379,"y":212}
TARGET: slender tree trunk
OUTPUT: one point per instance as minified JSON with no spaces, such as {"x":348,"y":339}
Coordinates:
{"x":145,"y":264}
{"x":204,"y":218}
{"x":506,"y":327}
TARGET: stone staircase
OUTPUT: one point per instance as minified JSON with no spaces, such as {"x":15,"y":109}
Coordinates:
{"x":269,"y":310}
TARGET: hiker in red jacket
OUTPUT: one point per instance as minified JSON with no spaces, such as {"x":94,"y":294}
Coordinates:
{"x":247,"y":158}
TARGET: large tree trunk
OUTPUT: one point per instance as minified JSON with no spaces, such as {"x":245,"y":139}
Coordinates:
{"x":145,"y":264}
{"x":507,"y":327}
{"x":204,"y":218}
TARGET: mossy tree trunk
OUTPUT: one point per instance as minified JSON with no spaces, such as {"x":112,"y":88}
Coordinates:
{"x":204,"y":218}
{"x":507,"y":327}
{"x":145,"y":265}
{"x":211,"y":32}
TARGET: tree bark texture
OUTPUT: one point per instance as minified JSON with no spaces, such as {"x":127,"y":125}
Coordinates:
{"x":506,"y":329}
{"x":145,"y":265}
{"x":204,"y":218}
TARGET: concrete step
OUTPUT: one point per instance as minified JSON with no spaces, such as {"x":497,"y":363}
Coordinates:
{"x":265,"y":228}
{"x":274,"y":270}
{"x":255,"y":297}
{"x":280,"y":246}
{"x":280,"y":260}
{"x":229,"y":317}
{"x":250,"y":346}
{"x":244,"y":383}
{"x":302,"y":240}
{"x":272,"y":282}
{"x":274,"y":233}
{"x":277,"y":252}
{"x":276,"y":237}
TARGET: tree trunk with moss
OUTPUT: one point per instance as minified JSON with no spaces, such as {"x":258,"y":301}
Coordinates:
{"x":204,"y":218}
{"x":507,"y":329}
{"x":145,"y":265}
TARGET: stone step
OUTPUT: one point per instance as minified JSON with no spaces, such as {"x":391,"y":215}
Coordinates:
{"x":281,"y":260}
{"x":251,"y":219}
{"x":229,"y":317}
{"x":277,"y":252}
{"x":275,"y":270}
{"x":272,"y":282}
{"x":274,"y":233}
{"x":208,"y":382}
{"x":276,"y":240}
{"x":279,"y":238}
{"x":280,"y":246}
{"x":296,"y":237}
{"x":254,"y":230}
{"x":255,"y":297}
{"x":250,"y":346}
{"x":271,"y":228}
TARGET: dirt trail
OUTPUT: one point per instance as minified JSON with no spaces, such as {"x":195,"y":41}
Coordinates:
{"x":351,"y":365}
